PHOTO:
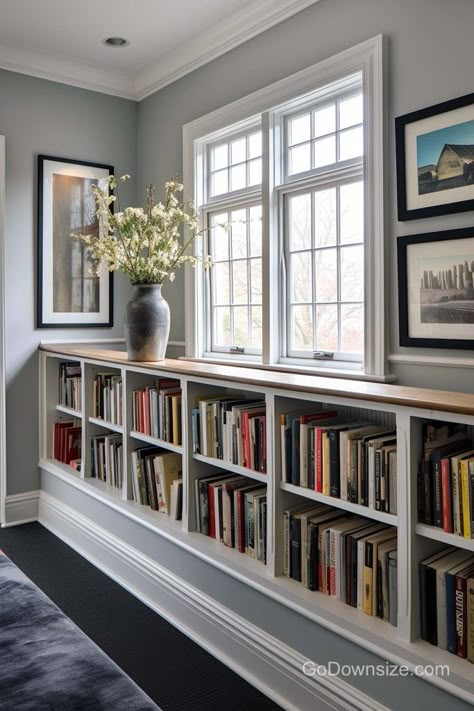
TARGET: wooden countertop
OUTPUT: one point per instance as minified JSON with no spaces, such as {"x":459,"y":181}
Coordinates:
{"x":441,"y":400}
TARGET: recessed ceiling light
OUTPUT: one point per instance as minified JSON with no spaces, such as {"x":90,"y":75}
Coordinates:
{"x":116,"y":42}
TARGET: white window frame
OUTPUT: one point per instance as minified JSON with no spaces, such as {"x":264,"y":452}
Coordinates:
{"x":366,"y":58}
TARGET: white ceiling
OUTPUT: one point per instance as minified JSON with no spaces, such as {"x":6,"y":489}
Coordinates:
{"x":61,"y":39}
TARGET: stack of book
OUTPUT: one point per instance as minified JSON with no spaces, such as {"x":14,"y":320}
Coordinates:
{"x":70,"y":385}
{"x":446,"y":479}
{"x":353,"y":461}
{"x":157,"y":480}
{"x":107,"y":399}
{"x":156,"y":411}
{"x":231,"y":430}
{"x":347,"y":557}
{"x":447,"y":601}
{"x":107,"y":459}
{"x":233,"y":510}
{"x":67,"y":438}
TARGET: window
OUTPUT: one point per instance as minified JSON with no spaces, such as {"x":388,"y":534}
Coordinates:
{"x":291,"y":194}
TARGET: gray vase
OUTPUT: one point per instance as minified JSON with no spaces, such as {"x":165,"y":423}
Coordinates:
{"x":147,"y":323}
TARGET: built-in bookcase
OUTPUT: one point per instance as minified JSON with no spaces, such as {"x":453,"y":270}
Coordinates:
{"x":405,"y":412}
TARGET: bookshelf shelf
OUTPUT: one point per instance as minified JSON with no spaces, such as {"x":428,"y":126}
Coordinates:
{"x":69,"y":411}
{"x":234,"y":468}
{"x":400,"y":409}
{"x":106,"y":425}
{"x":156,"y":442}
{"x":437,"y":534}
{"x":382,"y":516}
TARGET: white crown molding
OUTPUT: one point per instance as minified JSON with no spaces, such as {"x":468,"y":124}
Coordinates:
{"x":253,"y":19}
{"x":219,"y":38}
{"x":65,"y":71}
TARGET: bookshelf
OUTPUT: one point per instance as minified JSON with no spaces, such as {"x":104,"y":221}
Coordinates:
{"x":401,"y":408}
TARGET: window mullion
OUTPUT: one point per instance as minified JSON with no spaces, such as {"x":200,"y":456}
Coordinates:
{"x":270,"y":329}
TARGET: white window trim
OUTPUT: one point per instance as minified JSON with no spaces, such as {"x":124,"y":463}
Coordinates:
{"x":367,"y":58}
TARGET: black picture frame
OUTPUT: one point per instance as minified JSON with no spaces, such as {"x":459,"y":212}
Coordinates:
{"x":42,"y":319}
{"x":444,"y":208}
{"x":403,"y":301}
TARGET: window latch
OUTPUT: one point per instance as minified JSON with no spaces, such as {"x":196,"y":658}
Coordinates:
{"x":237,"y":349}
{"x":323,"y":355}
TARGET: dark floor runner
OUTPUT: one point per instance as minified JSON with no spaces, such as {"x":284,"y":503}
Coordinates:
{"x":174,"y":671}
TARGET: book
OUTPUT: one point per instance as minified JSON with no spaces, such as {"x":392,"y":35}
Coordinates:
{"x":393,"y":587}
{"x":168,"y":467}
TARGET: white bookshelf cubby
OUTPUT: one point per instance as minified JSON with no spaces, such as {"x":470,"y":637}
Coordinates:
{"x":399,"y":408}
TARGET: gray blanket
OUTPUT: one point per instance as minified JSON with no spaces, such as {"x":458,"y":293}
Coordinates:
{"x":47,"y":663}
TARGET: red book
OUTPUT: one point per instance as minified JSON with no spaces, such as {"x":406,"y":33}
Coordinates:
{"x":147,"y":411}
{"x":263,"y":467}
{"x":212,"y":515}
{"x":446,"y":496}
{"x":140,"y":411}
{"x":246,"y":415}
{"x":318,"y":458}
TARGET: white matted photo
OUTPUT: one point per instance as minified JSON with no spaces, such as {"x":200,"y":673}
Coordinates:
{"x":435,"y":160}
{"x":436,"y":289}
{"x":72,"y":293}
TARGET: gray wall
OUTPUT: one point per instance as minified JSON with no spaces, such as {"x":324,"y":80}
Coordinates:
{"x":429,"y":52}
{"x":38,"y":116}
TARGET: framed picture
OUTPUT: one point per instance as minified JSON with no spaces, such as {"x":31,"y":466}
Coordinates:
{"x":436,"y":289}
{"x":69,"y":293}
{"x":435,"y":160}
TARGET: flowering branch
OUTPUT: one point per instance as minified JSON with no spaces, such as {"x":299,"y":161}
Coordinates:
{"x":143,"y":243}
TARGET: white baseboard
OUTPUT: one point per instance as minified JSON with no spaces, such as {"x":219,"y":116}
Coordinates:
{"x":258,"y":657}
{"x":21,"y":508}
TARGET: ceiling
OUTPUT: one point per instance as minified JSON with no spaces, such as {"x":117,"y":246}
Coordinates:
{"x":62,"y":39}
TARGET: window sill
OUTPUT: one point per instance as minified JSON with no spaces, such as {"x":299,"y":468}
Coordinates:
{"x":300,"y":370}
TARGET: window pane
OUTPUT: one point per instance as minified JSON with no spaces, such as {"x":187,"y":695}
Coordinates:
{"x":219,"y":157}
{"x":326,"y":328}
{"x":351,"y":143}
{"x":255,"y":144}
{"x":219,"y":182}
{"x":238,"y":151}
{"x":300,"y":159}
{"x":238,"y":231}
{"x":352,"y":330}
{"x":301,"y":278}
{"x":256,"y":280}
{"x":299,"y":129}
{"x":299,"y":221}
{"x":324,"y":152}
{"x":238,"y":177}
{"x":325,"y":217}
{"x":352,"y":212}
{"x":351,"y":111}
{"x":222,"y":326}
{"x":352,"y":273}
{"x":326,"y":274}
{"x":255,"y":171}
{"x":241,"y":326}
{"x":255,"y":228}
{"x":301,"y":328}
{"x":220,"y":281}
{"x":220,"y":237}
{"x":239,"y":283}
{"x":256,"y":327}
{"x":324,"y":121}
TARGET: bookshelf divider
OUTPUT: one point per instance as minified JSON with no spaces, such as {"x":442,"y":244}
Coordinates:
{"x":401,"y":409}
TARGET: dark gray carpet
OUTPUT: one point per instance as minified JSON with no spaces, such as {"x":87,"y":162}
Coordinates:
{"x":174,"y":671}
{"x":47,"y":663}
